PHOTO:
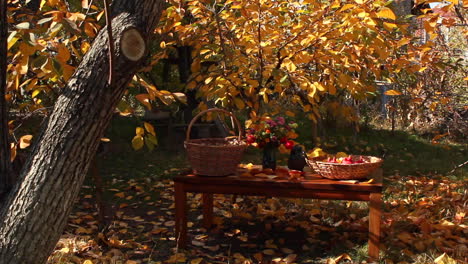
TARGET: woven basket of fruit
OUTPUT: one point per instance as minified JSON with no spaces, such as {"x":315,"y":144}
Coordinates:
{"x":215,"y":156}
{"x":348,"y":168}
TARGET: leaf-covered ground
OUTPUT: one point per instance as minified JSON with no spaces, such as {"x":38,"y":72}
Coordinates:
{"x":424,"y":221}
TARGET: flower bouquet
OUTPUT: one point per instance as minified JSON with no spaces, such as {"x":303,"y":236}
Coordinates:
{"x":271,"y":134}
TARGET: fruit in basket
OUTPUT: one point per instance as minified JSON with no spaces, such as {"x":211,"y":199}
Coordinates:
{"x":345,"y":160}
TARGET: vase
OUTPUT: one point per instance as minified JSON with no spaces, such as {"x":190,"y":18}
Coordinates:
{"x":269,"y":156}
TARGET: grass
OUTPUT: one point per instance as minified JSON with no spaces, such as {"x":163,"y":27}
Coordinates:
{"x":404,"y":153}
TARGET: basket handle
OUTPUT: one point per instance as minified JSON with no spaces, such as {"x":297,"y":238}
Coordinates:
{"x":213,"y":110}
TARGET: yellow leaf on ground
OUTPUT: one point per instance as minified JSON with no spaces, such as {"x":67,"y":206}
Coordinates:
{"x":405,"y":237}
{"x":196,"y":261}
{"x":444,"y":259}
{"x":120,"y":195}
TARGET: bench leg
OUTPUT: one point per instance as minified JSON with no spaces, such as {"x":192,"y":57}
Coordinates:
{"x":207,"y":210}
{"x":375,"y":214}
{"x":180,"y":198}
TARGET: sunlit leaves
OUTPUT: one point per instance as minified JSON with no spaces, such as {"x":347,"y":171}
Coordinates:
{"x":392,"y":92}
{"x":145,"y":135}
{"x":25,"y":141}
{"x":387,"y":13}
{"x":287,"y":49}
{"x":23,"y":25}
{"x":44,"y":49}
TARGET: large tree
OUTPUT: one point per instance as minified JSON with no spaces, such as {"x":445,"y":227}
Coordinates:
{"x":36,"y":210}
{"x":5,"y":165}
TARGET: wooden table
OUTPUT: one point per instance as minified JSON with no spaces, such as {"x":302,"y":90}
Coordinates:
{"x":312,"y":187}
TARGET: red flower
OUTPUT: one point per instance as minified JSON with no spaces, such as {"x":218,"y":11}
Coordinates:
{"x":250,"y":139}
{"x":289,"y":144}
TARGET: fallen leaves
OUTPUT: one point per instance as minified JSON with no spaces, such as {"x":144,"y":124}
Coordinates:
{"x":422,"y":215}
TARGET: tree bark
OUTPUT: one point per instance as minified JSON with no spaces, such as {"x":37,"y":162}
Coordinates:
{"x":6,"y":180}
{"x":37,"y":208}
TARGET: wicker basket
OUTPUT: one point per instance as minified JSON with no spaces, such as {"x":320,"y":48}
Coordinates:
{"x":338,"y":171}
{"x":214,"y":156}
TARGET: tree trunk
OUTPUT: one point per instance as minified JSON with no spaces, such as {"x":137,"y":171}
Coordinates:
{"x":6,"y":180}
{"x":36,"y":210}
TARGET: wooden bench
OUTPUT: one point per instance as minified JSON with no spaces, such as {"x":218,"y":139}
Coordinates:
{"x":312,"y":187}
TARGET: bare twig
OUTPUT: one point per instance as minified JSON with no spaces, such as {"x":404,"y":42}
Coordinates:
{"x":458,"y":166}
{"x":111,"y":41}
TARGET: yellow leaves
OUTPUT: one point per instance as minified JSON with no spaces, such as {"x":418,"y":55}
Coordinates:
{"x":239,"y":103}
{"x":120,"y":195}
{"x":196,"y":261}
{"x":438,"y":137}
{"x":87,"y":262}
{"x":403,"y":41}
{"x":315,"y":153}
{"x":341,"y":155}
{"x":23,"y":25}
{"x":90,"y":29}
{"x":26,"y":49}
{"x":386,"y":13}
{"x":346,"y":7}
{"x":208,"y":80}
{"x":141,"y":138}
{"x":23,"y":65}
{"x":12,"y":152}
{"x":342,"y":257}
{"x":85,"y":46}
{"x":25,"y":141}
{"x":178,"y":257}
{"x":139,"y":131}
{"x":12,"y":39}
{"x":35,"y":93}
{"x":444,"y":259}
{"x":84,"y":4}
{"x":289,"y":65}
{"x":390,"y":26}
{"x":319,"y":86}
{"x":144,"y":99}
{"x":149,"y":128}
{"x":63,"y":54}
{"x":405,"y":237}
{"x":137,"y":142}
{"x":392,"y":92}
